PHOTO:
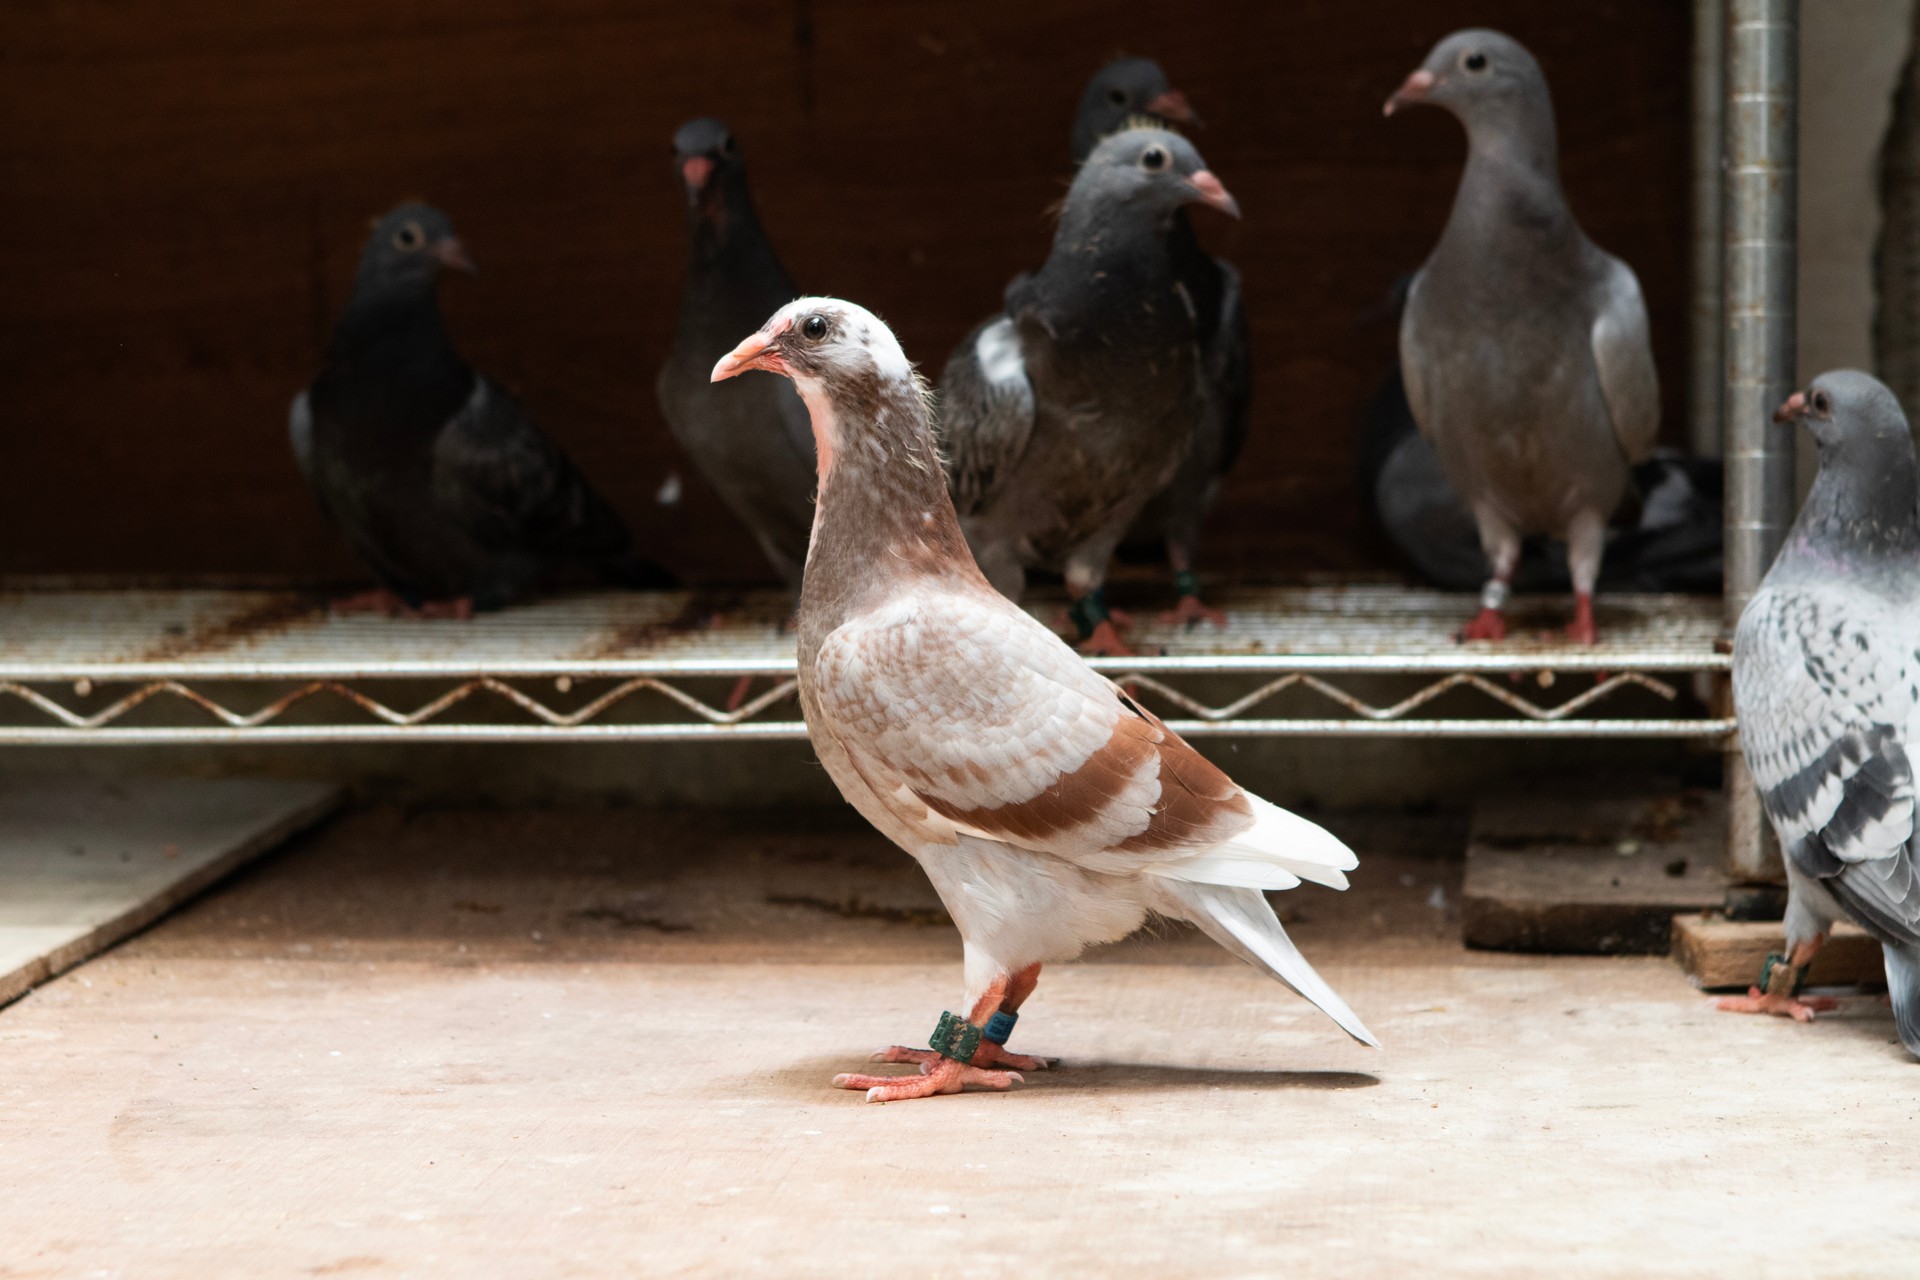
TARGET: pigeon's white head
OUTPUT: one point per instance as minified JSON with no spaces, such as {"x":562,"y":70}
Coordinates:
{"x":847,"y":366}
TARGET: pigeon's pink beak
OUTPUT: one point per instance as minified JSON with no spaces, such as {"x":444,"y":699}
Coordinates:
{"x":1417,"y":87}
{"x":1795,"y":408}
{"x":1213,"y":194}
{"x":756,"y":352}
{"x":1172,"y":105}
{"x":696,"y":172}
{"x":454,"y":254}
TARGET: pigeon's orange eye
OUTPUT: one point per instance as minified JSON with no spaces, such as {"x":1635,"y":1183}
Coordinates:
{"x":1154,"y":159}
{"x":1475,"y":62}
{"x":1118,"y":97}
{"x":814,"y":327}
{"x":409,"y":238}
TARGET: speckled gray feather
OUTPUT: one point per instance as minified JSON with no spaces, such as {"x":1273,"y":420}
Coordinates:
{"x":438,"y":478}
{"x":1826,"y":683}
{"x":1524,"y":346}
{"x":749,"y":436}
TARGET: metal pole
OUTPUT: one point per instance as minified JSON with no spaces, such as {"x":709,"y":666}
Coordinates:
{"x":1707,"y":367}
{"x":1762,"y":86}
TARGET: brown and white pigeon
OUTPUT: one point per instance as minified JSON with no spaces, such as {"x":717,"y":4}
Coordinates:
{"x":1826,"y":686}
{"x":436,"y":475}
{"x":1049,"y":809}
{"x":1525,"y":347}
{"x":1129,"y":91}
{"x":1062,"y":416}
{"x":749,"y":439}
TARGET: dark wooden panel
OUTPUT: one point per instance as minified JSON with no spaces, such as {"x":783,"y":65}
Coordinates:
{"x":184,"y":186}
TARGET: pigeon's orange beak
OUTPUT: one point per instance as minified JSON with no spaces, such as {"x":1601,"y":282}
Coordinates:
{"x":1417,"y":87}
{"x":1172,"y":105}
{"x":1793,"y":410}
{"x":454,"y":254}
{"x":756,"y":352}
{"x":1213,"y":194}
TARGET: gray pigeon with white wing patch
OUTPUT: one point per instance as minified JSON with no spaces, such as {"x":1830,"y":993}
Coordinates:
{"x":1062,"y":416}
{"x":1524,"y":346}
{"x":1826,"y":684}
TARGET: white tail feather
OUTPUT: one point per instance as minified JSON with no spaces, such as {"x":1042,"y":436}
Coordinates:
{"x":1241,"y":921}
{"x":1278,"y":851}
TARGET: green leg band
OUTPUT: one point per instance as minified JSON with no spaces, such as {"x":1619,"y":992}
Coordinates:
{"x":1780,"y":965}
{"x":954,"y":1037}
{"x":1089,"y":611}
{"x":1187,"y":583}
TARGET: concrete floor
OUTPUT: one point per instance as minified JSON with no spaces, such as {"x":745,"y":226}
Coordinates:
{"x":520,"y":1043}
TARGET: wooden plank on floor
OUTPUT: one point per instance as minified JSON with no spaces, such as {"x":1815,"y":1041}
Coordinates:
{"x":1720,"y":954}
{"x":1596,"y":871}
{"x":86,"y":863}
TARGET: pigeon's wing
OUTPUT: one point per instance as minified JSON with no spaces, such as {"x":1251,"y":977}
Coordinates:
{"x":1623,"y":355}
{"x":985,"y":411}
{"x":1412,"y":363}
{"x":1824,"y":684}
{"x":968,"y":716}
{"x":300,"y":431}
{"x":512,"y":489}
{"x":1230,"y":366}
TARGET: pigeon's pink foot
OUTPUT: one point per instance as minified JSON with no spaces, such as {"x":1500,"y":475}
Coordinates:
{"x":941,"y":1076}
{"x":1581,"y":630}
{"x":1777,"y":1003}
{"x":988,"y":1054}
{"x":389,"y":605}
{"x":1488,"y":624}
{"x":1191,"y":612}
{"x":1105,"y":642}
{"x":460,"y":610}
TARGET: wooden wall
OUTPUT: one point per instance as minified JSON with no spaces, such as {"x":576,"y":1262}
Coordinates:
{"x":184,"y":187}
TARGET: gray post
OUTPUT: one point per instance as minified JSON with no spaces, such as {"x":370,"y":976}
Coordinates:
{"x":1707,"y":373}
{"x":1762,"y":84}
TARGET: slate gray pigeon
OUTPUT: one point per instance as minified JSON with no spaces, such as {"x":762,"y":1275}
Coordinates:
{"x":1525,"y":347}
{"x":1826,"y":688}
{"x":1065,"y":414}
{"x":1133,"y":91}
{"x":1050,"y":810}
{"x":749,"y":439}
{"x":438,"y":478}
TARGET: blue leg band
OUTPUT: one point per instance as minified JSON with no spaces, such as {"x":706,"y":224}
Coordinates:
{"x":999,"y":1027}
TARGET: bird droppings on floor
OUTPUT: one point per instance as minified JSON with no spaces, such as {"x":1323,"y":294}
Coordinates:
{"x":596,"y":1043}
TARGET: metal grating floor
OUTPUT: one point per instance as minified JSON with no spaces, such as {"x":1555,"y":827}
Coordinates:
{"x":119,"y":666}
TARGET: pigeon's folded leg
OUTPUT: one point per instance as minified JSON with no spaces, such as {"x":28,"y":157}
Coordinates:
{"x":993,"y":1051}
{"x":958,"y":1047}
{"x":1779,"y":989}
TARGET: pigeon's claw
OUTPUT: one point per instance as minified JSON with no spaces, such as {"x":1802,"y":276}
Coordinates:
{"x":941,"y":1076}
{"x":1488,"y":624}
{"x":1105,"y":642}
{"x":389,"y":604}
{"x":1582,"y":629}
{"x":988,"y":1054}
{"x":1777,"y":1003}
{"x":1191,"y":612}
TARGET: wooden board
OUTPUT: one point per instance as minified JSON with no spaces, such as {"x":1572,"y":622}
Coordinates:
{"x":187,"y":188}
{"x":85,"y":864}
{"x":1720,"y":954}
{"x":1596,"y":873}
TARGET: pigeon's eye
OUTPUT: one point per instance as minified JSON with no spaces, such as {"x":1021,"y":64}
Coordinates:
{"x":1475,"y":62}
{"x":1118,"y":97}
{"x":1821,"y":404}
{"x":1154,"y":159}
{"x":726,"y":145}
{"x":814,"y":327}
{"x":409,"y":238}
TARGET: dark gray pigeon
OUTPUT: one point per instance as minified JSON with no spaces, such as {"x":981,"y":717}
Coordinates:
{"x":1063,"y":415}
{"x":1826,"y":684}
{"x":749,"y":437}
{"x":1524,"y":347}
{"x":437,"y":476}
{"x":1135,"y":90}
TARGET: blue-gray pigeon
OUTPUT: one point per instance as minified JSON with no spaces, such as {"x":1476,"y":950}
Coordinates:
{"x":1525,"y":347}
{"x":1826,"y":687}
{"x":436,"y":475}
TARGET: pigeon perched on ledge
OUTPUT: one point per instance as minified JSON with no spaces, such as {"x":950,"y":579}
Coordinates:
{"x":1525,"y":348}
{"x":1826,"y":687}
{"x":1132,"y":91}
{"x":1062,"y":416}
{"x":749,"y":439}
{"x":438,"y":478}
{"x":1050,"y":810}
